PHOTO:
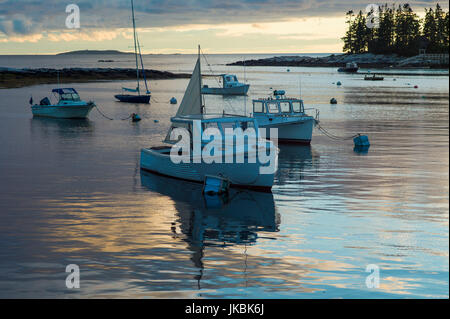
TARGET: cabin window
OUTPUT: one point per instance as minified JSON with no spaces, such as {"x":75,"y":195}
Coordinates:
{"x":70,"y":96}
{"x":258,"y":107}
{"x":272,"y":107}
{"x":285,"y":107}
{"x":297,"y":107}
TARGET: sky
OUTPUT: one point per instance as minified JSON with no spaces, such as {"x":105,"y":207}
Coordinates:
{"x":178,"y":26}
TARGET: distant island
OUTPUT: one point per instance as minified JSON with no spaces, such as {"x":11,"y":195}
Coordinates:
{"x":364,"y":60}
{"x":95,"y":52}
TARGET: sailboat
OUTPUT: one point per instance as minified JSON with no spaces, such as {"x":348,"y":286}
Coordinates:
{"x":136,"y":98}
{"x":191,"y":116}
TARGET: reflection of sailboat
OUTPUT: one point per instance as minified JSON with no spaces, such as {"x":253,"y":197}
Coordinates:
{"x":215,"y":221}
{"x":235,"y":219}
{"x":136,"y":98}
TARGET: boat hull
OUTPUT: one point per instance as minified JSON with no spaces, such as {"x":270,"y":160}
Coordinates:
{"x":290,"y":130}
{"x":348,"y":70}
{"x":128,"y":98}
{"x":236,"y":90}
{"x":79,"y":111}
{"x":246,"y":175}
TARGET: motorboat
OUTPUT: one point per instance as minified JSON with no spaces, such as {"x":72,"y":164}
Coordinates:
{"x":137,"y":96}
{"x":230,"y":86}
{"x":252,"y":172}
{"x":69,"y":105}
{"x":350,"y":67}
{"x":373,"y":77}
{"x":288,"y":115}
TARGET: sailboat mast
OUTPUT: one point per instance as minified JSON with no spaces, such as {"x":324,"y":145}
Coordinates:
{"x":135,"y":46}
{"x":200,"y":80}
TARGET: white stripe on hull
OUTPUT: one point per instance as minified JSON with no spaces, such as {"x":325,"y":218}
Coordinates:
{"x":288,"y":129}
{"x":237,"y":90}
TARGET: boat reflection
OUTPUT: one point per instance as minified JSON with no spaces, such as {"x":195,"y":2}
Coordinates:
{"x":204,"y":221}
{"x":64,"y":128}
{"x":293,"y":160}
{"x":235,"y":218}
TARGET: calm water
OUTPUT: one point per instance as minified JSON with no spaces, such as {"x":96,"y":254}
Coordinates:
{"x":71,"y":192}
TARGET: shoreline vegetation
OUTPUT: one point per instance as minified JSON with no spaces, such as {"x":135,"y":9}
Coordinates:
{"x":388,"y":36}
{"x":16,"y":78}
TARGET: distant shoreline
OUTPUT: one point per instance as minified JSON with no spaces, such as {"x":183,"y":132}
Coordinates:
{"x":364,"y":60}
{"x":16,"y":78}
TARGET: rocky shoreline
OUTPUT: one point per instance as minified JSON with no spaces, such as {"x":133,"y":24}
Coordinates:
{"x":15,"y":78}
{"x":364,"y":60}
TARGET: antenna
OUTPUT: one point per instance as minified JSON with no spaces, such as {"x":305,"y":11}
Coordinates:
{"x":300,"y":85}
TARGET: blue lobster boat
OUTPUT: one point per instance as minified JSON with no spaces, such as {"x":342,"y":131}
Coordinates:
{"x":69,"y":105}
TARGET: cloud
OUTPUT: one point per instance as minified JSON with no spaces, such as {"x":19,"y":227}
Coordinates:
{"x":27,"y":18}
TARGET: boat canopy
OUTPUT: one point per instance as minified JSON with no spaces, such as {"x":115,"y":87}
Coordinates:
{"x":65,"y":91}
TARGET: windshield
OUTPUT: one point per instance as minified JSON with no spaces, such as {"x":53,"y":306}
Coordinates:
{"x":70,"y":97}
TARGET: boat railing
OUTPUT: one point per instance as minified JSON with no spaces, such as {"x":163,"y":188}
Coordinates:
{"x":317,"y":112}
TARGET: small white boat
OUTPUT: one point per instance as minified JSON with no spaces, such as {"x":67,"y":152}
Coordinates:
{"x":191,"y":117}
{"x":287,"y":115}
{"x":231,"y":86}
{"x":69,"y":105}
{"x":350,"y":67}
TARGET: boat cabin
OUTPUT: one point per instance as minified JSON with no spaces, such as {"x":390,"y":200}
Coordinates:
{"x":230,"y":80}
{"x":66,"y":94}
{"x":204,"y":122}
{"x":280,"y":105}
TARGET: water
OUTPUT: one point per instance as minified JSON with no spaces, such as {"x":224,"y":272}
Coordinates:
{"x":71,"y":192}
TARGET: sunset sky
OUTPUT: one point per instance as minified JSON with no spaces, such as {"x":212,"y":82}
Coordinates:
{"x":177,"y":26}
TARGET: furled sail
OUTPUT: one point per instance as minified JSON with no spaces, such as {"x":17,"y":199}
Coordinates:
{"x":192,"y":100}
{"x":130,"y":90}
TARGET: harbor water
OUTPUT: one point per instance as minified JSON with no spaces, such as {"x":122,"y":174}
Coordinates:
{"x":71,"y":192}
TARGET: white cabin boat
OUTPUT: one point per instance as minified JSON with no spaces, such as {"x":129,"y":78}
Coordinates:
{"x":287,"y":115}
{"x":69,"y":105}
{"x":191,"y":117}
{"x":350,"y":67}
{"x":230,"y":86}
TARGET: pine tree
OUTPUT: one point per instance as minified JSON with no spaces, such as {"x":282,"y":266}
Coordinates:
{"x":441,"y":26}
{"x":429,"y":30}
{"x":349,"y":35}
{"x":385,"y":31}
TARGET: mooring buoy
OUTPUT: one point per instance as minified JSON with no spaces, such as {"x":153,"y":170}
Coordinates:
{"x":135,"y":117}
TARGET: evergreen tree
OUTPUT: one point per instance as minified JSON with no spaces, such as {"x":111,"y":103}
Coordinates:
{"x":430,"y":30}
{"x":441,"y":27}
{"x":360,"y":39}
{"x":349,"y":35}
{"x":399,"y":31}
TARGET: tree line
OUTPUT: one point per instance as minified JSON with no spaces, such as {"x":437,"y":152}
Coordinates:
{"x":397,"y":29}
